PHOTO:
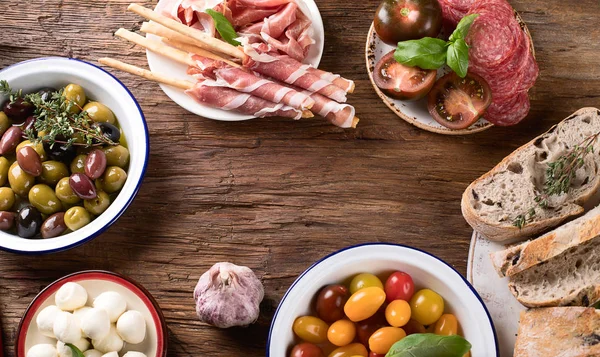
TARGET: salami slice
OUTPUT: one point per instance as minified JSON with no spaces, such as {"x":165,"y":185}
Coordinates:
{"x":499,"y":8}
{"x":508,"y":111}
{"x":493,"y":41}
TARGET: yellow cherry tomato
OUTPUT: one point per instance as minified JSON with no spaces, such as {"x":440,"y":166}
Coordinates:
{"x":427,"y":306}
{"x":351,"y":350}
{"x":311,"y":329}
{"x":446,"y":325}
{"x":382,"y":340}
{"x":364,"y":303}
{"x":364,"y":280}
{"x":397,"y":313}
{"x":341,"y":332}
{"x":468,"y":354}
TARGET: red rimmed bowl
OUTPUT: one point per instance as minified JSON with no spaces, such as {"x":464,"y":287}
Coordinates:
{"x":97,"y":282}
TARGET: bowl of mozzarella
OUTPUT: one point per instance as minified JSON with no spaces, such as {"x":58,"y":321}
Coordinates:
{"x":102,"y":314}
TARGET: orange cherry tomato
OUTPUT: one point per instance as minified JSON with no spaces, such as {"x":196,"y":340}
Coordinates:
{"x":341,"y":332}
{"x":427,"y":306}
{"x":311,"y":329}
{"x":397,"y":313}
{"x":351,"y":350}
{"x":383,"y":339}
{"x":446,"y":325}
{"x":364,"y":303}
{"x":413,"y":327}
{"x":364,"y":280}
{"x":468,"y":354}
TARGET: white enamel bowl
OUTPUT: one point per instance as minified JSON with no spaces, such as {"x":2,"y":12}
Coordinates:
{"x":170,"y":68}
{"x":426,"y":270}
{"x":96,"y":282}
{"x":100,"y":85}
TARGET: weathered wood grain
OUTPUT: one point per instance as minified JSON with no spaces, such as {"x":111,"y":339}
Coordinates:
{"x":274,"y":194}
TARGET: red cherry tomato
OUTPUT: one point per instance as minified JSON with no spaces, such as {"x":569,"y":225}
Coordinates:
{"x":373,"y":354}
{"x":399,"y":286}
{"x":306,"y":350}
{"x":331,"y":301}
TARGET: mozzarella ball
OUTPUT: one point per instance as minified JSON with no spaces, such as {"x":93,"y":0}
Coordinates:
{"x":42,"y":350}
{"x":131,"y":326}
{"x":92,"y":353}
{"x":112,"y":342}
{"x":95,"y":324}
{"x":70,"y":296}
{"x":113,"y":303}
{"x":45,"y":320}
{"x":80,"y":312}
{"x":134,"y":354}
{"x":111,"y":354}
{"x":66,"y":328}
{"x":65,"y":351}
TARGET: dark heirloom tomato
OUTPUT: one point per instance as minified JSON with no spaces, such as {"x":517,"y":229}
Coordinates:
{"x":402,"y":20}
{"x":306,"y":349}
{"x":365,"y":328}
{"x":456,"y":102}
{"x":402,"y":82}
{"x":331,"y":301}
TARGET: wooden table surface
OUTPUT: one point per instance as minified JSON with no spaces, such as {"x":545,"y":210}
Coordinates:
{"x":274,"y":194}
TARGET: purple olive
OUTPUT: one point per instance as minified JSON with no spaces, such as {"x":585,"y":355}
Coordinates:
{"x":18,"y":110}
{"x":29,"y":161}
{"x":95,"y":164}
{"x":10,"y":140}
{"x":54,"y":225}
{"x":7,"y":220}
{"x":82,"y":186}
{"x":28,"y":124}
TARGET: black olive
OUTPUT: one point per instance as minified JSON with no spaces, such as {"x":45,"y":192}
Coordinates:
{"x":18,"y":110}
{"x":60,"y":152}
{"x":46,"y":93}
{"x":109,"y":131}
{"x":28,"y":124}
{"x":29,"y":222}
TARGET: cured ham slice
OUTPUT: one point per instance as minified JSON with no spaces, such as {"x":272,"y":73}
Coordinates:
{"x":213,"y":95}
{"x":339,"y":114}
{"x":192,"y":12}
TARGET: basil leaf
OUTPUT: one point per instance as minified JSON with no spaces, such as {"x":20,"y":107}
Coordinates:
{"x":426,"y":53}
{"x":75,"y":350}
{"x":462,"y":29}
{"x":458,"y":57}
{"x":429,"y":345}
{"x":224,"y":27}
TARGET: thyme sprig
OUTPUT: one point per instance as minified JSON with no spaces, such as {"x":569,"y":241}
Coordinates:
{"x":559,"y":176}
{"x":57,"y":119}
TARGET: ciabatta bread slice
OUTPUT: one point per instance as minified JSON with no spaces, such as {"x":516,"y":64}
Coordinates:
{"x":523,"y":256}
{"x":493,"y":203}
{"x":559,"y":332}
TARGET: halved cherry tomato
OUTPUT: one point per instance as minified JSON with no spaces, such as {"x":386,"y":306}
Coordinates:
{"x":402,"y":82}
{"x":456,"y":102}
{"x":306,"y":350}
{"x":364,"y":280}
{"x":364,"y":303}
{"x":341,"y":333}
{"x":397,"y":313}
{"x":413,"y":327}
{"x":399,"y":286}
{"x":366,"y":328}
{"x":311,"y":329}
{"x":351,"y":350}
{"x":446,"y":325}
{"x":427,"y":306}
{"x":383,"y":339}
{"x":401,"y":20}
{"x":331,"y":301}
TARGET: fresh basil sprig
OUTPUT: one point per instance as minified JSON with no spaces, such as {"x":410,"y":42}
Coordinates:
{"x":433,"y":53}
{"x":75,"y":350}
{"x":224,"y":27}
{"x":429,"y":345}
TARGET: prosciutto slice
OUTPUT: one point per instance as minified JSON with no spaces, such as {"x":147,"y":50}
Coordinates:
{"x":339,"y":114}
{"x":192,"y":12}
{"x":211,"y":94}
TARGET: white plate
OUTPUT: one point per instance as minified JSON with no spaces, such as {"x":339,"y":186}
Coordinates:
{"x":501,"y":303}
{"x":170,"y":68}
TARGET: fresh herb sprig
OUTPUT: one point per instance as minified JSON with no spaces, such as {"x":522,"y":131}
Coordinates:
{"x":75,"y":351}
{"x":224,"y":27}
{"x":56,"y":118}
{"x":559,"y":176}
{"x":433,"y":53}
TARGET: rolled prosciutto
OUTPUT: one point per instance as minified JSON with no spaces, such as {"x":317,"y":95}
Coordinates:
{"x":338,"y":114}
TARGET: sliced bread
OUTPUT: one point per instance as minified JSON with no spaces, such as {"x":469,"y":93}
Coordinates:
{"x":493,"y":203}
{"x":526,"y":255}
{"x":559,"y":332}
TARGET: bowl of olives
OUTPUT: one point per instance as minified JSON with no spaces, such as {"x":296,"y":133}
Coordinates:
{"x":73,"y":153}
{"x":364,"y":299}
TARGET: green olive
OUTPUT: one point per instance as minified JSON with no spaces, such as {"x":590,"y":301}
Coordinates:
{"x":7,"y":198}
{"x":20,"y":181}
{"x":44,"y":199}
{"x":78,"y":164}
{"x":100,"y":113}
{"x":39,"y":148}
{"x":52,"y":172}
{"x":77,"y":217}
{"x":65,"y":193}
{"x":4,"y":165}
{"x":97,"y":205}
{"x":4,"y":123}
{"x":75,"y":94}
{"x":116,"y":156}
{"x":113,"y":179}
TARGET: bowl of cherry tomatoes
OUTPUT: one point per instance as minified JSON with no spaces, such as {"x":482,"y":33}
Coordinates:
{"x":380,"y":299}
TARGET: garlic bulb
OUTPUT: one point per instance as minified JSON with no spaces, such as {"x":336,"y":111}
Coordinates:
{"x":228,"y":295}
